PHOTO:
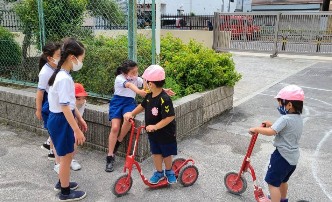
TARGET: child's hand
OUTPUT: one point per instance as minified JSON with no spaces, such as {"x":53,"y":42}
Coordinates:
{"x":142,"y":93}
{"x":79,"y":137}
{"x":39,"y":115}
{"x":151,"y":128}
{"x":169,"y":91}
{"x":128,"y":116}
{"x":268,"y":124}
{"x":252,"y":131}
{"x":82,"y":124}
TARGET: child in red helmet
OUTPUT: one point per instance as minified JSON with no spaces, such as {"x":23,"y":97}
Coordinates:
{"x":80,"y":95}
{"x":160,"y":123}
{"x":287,"y":131}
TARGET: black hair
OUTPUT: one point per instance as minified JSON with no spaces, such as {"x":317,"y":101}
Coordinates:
{"x":69,"y":47}
{"x":297,"y":105}
{"x":159,"y":84}
{"x":125,"y":67}
{"x":48,"y":51}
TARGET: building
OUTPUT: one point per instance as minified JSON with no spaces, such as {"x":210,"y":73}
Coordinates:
{"x":287,"y":5}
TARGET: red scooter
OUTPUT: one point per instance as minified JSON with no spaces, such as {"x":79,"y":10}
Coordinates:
{"x":185,"y":170}
{"x":237,"y":184}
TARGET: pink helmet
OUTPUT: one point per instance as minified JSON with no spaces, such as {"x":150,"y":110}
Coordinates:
{"x":291,"y":92}
{"x":154,"y":73}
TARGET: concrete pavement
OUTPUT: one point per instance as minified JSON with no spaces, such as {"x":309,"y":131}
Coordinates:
{"x":27,"y":175}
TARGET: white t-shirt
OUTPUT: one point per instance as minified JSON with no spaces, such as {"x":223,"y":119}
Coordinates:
{"x":120,"y":88}
{"x":45,"y":75}
{"x":62,"y":92}
{"x":81,"y":108}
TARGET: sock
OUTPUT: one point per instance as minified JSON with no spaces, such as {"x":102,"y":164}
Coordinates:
{"x":160,"y":171}
{"x":65,"y":190}
{"x":51,"y":151}
{"x":48,"y":141}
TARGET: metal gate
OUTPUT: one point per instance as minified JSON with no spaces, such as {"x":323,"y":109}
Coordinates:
{"x":291,"y":32}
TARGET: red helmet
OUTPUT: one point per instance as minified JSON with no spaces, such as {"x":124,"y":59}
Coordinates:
{"x":291,"y":92}
{"x":79,"y":90}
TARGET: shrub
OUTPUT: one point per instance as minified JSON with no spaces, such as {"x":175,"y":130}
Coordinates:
{"x":10,"y":52}
{"x":189,"y":67}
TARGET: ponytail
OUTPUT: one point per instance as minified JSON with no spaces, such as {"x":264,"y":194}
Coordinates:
{"x":48,"y":50}
{"x":42,"y":61}
{"x":125,"y":67}
{"x":118,"y":71}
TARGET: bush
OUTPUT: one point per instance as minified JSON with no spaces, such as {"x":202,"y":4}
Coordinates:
{"x":10,"y":52}
{"x":189,"y":67}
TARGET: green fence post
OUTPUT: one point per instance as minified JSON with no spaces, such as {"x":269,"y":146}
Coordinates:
{"x":132,"y":30}
{"x":153,"y":48}
{"x":41,"y":23}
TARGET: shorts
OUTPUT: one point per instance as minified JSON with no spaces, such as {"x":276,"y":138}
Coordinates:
{"x":279,"y":170}
{"x":61,"y":133}
{"x":45,"y":109}
{"x":164,"y":149}
{"x":120,"y":105}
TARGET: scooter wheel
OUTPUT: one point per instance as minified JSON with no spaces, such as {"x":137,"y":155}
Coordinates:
{"x":122,"y":185}
{"x":176,"y":164}
{"x":235,"y":187}
{"x":188,"y":175}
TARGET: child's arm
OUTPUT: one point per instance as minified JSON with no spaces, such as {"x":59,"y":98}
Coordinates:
{"x":79,"y":137}
{"x":131,"y":115}
{"x":80,"y":120}
{"x":164,"y":122}
{"x":134,"y":88}
{"x":263,"y":130}
{"x":39,"y":100}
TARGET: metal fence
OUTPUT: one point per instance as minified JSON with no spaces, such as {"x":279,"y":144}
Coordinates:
{"x":290,"y":32}
{"x":187,"y":22}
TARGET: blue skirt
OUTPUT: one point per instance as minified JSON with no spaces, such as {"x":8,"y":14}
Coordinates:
{"x":45,"y":109}
{"x":61,"y":133}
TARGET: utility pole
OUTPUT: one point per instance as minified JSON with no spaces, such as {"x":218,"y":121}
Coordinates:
{"x":326,"y":5}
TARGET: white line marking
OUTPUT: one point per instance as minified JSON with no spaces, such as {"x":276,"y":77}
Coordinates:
{"x":321,"y":89}
{"x":314,"y":163}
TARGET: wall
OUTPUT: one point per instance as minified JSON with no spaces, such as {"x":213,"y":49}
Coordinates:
{"x":17,"y":108}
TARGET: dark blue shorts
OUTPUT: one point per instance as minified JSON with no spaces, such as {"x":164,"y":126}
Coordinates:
{"x":120,"y":105}
{"x":61,"y":133}
{"x":45,"y":109}
{"x":164,"y":149}
{"x":279,"y":170}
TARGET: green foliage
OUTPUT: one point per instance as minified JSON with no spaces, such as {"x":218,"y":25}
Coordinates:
{"x":103,"y":7}
{"x":10,"y":51}
{"x":189,"y":67}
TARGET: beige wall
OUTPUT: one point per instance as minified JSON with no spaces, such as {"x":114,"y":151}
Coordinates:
{"x":205,"y":37}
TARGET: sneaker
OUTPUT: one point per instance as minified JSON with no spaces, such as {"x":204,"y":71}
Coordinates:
{"x":157,"y":177}
{"x":116,"y":147}
{"x":72,"y":185}
{"x":74,"y":165}
{"x":170,"y":175}
{"x":281,"y":200}
{"x":73,"y":196}
{"x":51,"y":156}
{"x":56,"y":168}
{"x":110,"y":163}
{"x":46,"y":146}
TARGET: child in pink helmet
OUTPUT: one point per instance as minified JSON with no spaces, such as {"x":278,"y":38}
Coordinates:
{"x":160,"y":123}
{"x":287,"y":131}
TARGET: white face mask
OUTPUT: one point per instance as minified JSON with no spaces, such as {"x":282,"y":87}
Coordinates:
{"x":78,"y":66}
{"x":56,"y":61}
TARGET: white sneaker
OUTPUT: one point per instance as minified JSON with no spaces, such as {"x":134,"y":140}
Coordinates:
{"x":75,"y":165}
{"x":56,"y":168}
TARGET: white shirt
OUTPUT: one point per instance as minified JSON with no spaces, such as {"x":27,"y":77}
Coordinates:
{"x":120,"y":88}
{"x":81,"y":108}
{"x":62,"y":92}
{"x":45,"y":75}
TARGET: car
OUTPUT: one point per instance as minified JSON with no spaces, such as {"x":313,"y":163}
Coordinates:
{"x":241,"y":27}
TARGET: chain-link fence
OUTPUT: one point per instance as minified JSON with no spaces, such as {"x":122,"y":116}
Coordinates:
{"x":102,"y":26}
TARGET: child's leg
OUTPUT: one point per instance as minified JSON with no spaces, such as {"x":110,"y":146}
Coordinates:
{"x":274,"y":193}
{"x":64,"y":173}
{"x":124,"y":130}
{"x":168,"y":162}
{"x":57,"y":158}
{"x":115,"y":128}
{"x":283,"y":190}
{"x":158,"y":162}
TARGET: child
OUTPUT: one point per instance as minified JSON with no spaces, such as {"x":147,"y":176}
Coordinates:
{"x":160,"y":121}
{"x":64,"y":129}
{"x":80,"y":95}
{"x":126,"y":85}
{"x":47,"y":64}
{"x":287,"y":130}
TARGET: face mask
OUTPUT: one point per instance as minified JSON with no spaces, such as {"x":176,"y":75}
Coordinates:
{"x":282,"y":110}
{"x":56,"y":61}
{"x":78,"y":66}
